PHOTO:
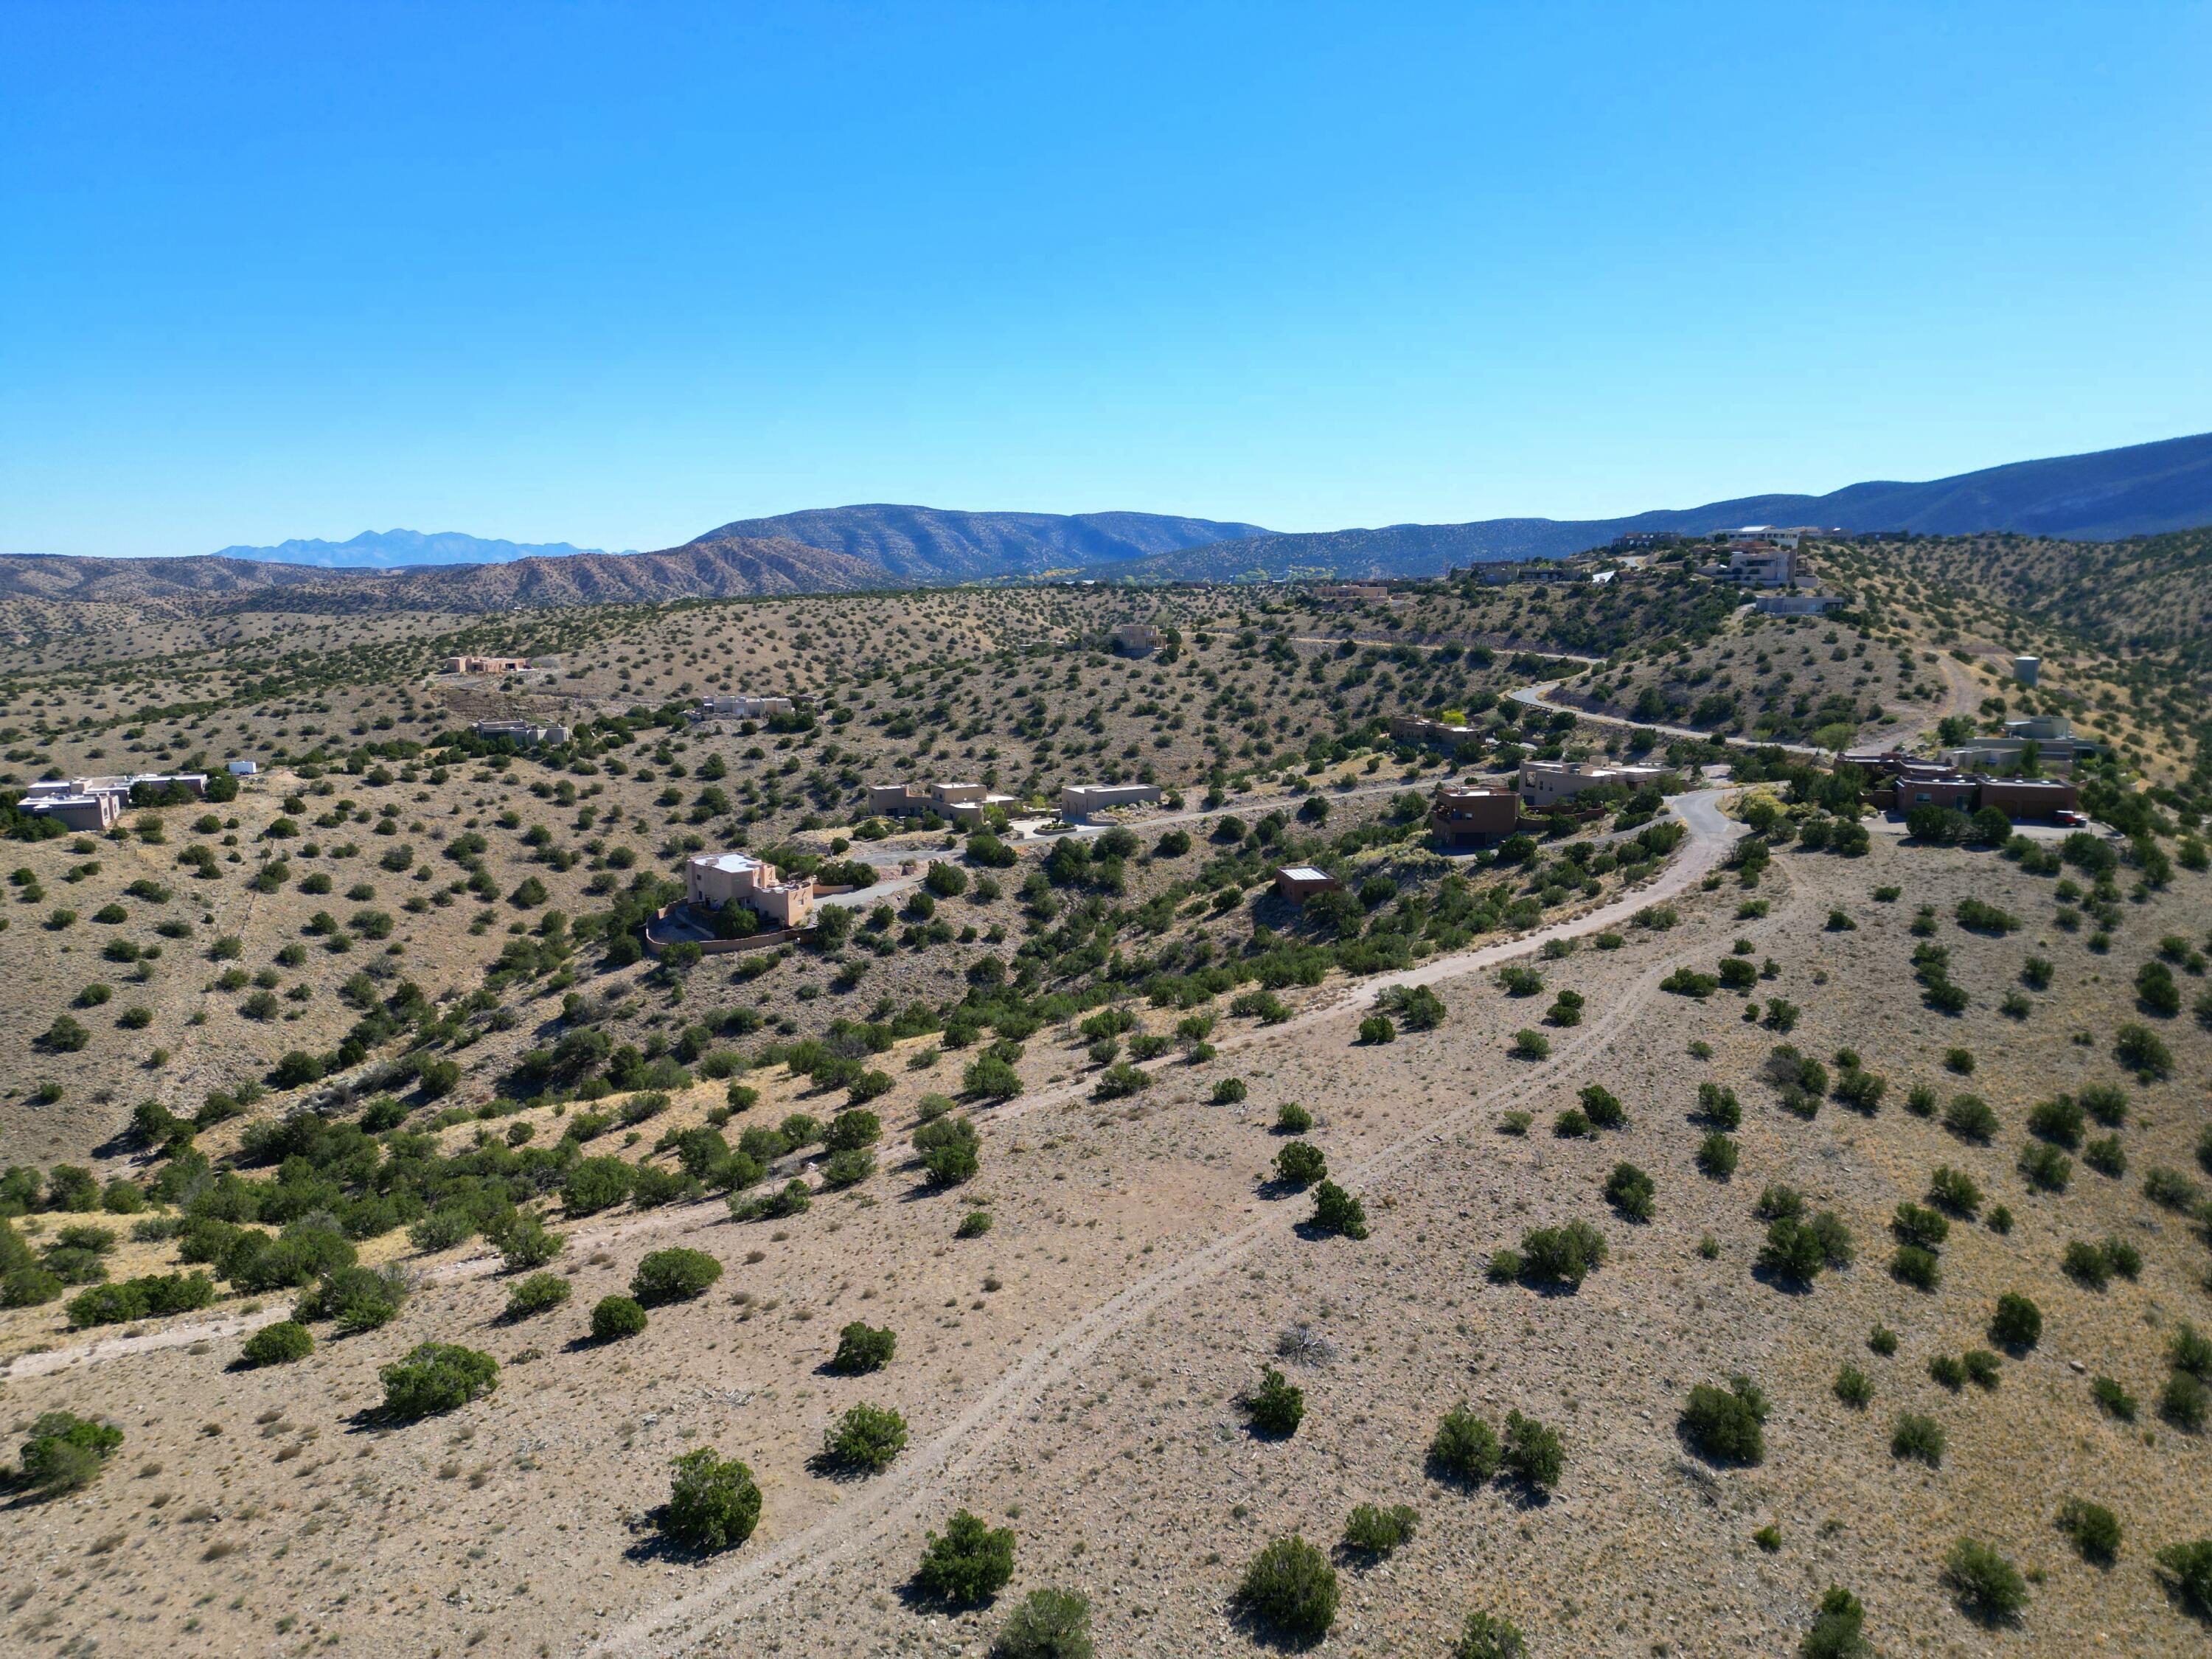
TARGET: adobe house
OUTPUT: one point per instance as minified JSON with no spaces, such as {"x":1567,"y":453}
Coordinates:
{"x":1473,"y":816}
{"x":487,"y":665}
{"x":523,"y":732}
{"x":1136,"y":639}
{"x":1543,"y":782}
{"x":961,"y":803}
{"x":2029,"y":797}
{"x":712,"y":880}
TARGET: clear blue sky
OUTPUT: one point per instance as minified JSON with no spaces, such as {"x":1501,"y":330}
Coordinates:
{"x":615,"y":274}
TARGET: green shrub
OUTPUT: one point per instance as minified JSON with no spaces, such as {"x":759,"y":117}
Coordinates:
{"x":1603,"y":1107}
{"x":1852,"y":1386}
{"x":2058,"y":1121}
{"x":1882,"y":1340}
{"x":2183,"y":1403}
{"x":1371,"y":1530}
{"x":2190,"y":1351}
{"x":1300,"y":1164}
{"x":867,"y":1437}
{"x":2187,"y":1568}
{"x":1533,"y":1454}
{"x":436,"y":1376}
{"x":279,"y":1344}
{"x":614,"y":1317}
{"x":1336,"y":1211}
{"x":1531,"y":1045}
{"x":2112,"y":1398}
{"x":1835,"y":1631}
{"x":1566,"y":1254}
{"x":968,"y":1564}
{"x":539,"y":1293}
{"x":1487,"y":1638}
{"x":1629,"y":1191}
{"x":1377,"y":1028}
{"x":950,"y":1149}
{"x":1718,"y":1156}
{"x":1954,"y":1190}
{"x":357,"y":1299}
{"x":2169,"y":1188}
{"x":673,"y":1276}
{"x":1910,"y":1264}
{"x":1572,"y":1124}
{"x":596,"y":1183}
{"x":712,"y":1502}
{"x":1969,"y":1117}
{"x":1050,"y":1623}
{"x":1912,"y":1224}
{"x":1290,"y":1588}
{"x":862,"y":1348}
{"x":64,"y":1453}
{"x":1718,"y":1106}
{"x":1466,"y":1447}
{"x":2046,"y":1168}
{"x":2143,"y":1051}
{"x":1916,"y":1437}
{"x":847,"y":1168}
{"x":1277,"y":1407}
{"x":1988,"y":1587}
{"x":1292,"y":1118}
{"x":1726,"y":1424}
{"x":2086,"y":1263}
{"x":1948,"y":1371}
{"x":2095,"y":1530}
{"x":974,"y":1225}
{"x":1982,"y":1366}
{"x":1231,"y":1090}
{"x":2017,"y":1323}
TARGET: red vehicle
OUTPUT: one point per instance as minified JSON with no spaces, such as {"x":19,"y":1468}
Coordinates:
{"x":2070,"y":819}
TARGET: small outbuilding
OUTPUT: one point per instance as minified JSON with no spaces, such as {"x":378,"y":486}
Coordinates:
{"x":1300,"y":882}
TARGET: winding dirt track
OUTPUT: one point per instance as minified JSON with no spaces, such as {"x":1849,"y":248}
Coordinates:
{"x":702,"y":1617}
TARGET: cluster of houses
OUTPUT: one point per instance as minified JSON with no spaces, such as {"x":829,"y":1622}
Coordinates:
{"x":1984,"y":772}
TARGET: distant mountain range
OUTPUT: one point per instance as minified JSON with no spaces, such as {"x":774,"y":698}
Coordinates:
{"x":937,"y":545}
{"x":388,"y":549}
{"x":2144,"y":490}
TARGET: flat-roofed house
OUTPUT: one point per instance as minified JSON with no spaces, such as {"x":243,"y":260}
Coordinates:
{"x":1419,"y":728}
{"x":1543,"y":782}
{"x":962,"y":803}
{"x":525,"y":733}
{"x":487,"y":665}
{"x":741,"y":706}
{"x":1078,"y":801}
{"x":1135,"y":638}
{"x":1471,"y":815}
{"x":716,"y":879}
{"x":68,"y":802}
{"x":2028,"y":797}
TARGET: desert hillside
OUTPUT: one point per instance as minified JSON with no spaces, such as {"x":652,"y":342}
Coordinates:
{"x":1719,"y":1216}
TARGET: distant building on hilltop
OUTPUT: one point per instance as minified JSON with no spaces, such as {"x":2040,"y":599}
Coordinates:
{"x":487,"y":665}
{"x":522,"y":733}
{"x":1135,"y":638}
{"x":1798,"y":604}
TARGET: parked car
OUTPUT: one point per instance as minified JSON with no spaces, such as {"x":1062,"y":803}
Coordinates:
{"x":2070,"y":819}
